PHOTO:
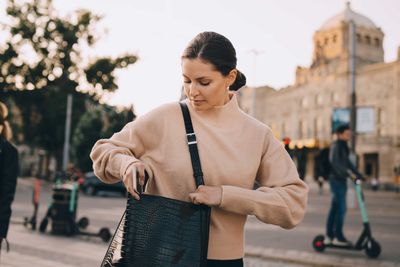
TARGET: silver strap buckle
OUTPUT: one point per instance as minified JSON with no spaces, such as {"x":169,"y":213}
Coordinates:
{"x":191,"y":138}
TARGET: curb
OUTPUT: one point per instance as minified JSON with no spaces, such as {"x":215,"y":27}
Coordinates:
{"x":313,"y":259}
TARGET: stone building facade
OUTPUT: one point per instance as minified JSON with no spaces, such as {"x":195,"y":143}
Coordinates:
{"x":303,"y":111}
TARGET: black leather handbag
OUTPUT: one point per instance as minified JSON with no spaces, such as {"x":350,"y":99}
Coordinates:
{"x":162,"y":232}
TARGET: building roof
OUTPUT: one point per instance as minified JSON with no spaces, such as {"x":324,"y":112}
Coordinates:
{"x":346,"y":16}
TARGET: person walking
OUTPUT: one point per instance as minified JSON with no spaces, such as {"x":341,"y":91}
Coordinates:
{"x":301,"y":159}
{"x":8,"y":173}
{"x":340,"y":169}
{"x":235,"y":151}
{"x":321,"y":166}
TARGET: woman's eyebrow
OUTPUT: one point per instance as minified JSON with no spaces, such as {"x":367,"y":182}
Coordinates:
{"x":199,"y":78}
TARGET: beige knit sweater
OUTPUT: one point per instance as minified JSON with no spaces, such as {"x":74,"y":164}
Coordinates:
{"x":235,"y":150}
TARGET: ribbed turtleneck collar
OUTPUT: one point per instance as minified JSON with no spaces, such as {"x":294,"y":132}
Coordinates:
{"x":218,"y":113}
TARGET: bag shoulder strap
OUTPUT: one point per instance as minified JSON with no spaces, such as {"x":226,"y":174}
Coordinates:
{"x":192,"y":143}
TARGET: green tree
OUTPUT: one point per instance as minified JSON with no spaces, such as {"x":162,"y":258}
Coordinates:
{"x":41,"y":62}
{"x":98,"y":122}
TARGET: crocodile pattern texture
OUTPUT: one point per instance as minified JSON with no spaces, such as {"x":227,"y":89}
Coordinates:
{"x":164,"y":232}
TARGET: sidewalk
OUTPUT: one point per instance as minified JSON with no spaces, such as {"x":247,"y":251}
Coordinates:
{"x":32,"y":249}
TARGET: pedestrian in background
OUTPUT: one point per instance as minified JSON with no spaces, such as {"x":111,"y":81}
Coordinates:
{"x":8,"y":173}
{"x":340,"y":169}
{"x":396,"y":171}
{"x":286,"y":143}
{"x":235,"y":151}
{"x":301,"y":153}
{"x":321,"y":165}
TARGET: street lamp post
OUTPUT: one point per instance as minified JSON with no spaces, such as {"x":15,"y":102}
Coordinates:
{"x":67,"y":133}
{"x":255,"y":53}
{"x":352,"y":82}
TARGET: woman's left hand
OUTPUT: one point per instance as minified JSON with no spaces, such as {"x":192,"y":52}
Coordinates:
{"x":207,"y":195}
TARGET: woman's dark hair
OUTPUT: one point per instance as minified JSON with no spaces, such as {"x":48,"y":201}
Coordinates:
{"x":5,"y":129}
{"x":217,"y":50}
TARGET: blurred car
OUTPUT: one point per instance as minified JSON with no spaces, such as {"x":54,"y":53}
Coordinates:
{"x":92,"y":185}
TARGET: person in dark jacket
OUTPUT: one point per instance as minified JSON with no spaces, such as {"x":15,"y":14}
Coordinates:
{"x":322,"y":165}
{"x":8,"y":172}
{"x":340,"y":169}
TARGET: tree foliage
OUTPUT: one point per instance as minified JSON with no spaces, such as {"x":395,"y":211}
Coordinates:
{"x":42,"y":61}
{"x":96,"y":123}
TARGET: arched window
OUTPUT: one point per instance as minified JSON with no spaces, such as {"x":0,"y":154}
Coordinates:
{"x":359,"y":39}
{"x":377,"y":42}
{"x":368,"y":39}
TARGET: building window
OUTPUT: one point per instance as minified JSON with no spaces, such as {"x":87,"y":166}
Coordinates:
{"x":304,"y":102}
{"x":368,"y":39}
{"x":315,"y":132}
{"x":304,"y":130}
{"x":359,"y":39}
{"x":377,"y":42}
{"x":300,"y":129}
{"x":335,"y":97}
{"x":320,"y":99}
{"x":284,"y":129}
{"x":334,"y":39}
{"x":320,"y":127}
{"x":381,"y":122}
{"x":326,"y":40}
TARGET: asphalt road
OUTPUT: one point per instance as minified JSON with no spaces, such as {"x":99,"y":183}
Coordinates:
{"x":383,"y":210}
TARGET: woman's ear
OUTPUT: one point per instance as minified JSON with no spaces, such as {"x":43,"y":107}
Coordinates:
{"x":232,"y":76}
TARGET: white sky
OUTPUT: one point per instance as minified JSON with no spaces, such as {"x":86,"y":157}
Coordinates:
{"x":159,"y":30}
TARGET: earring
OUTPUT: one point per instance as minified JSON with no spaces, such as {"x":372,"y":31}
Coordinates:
{"x":227,"y":88}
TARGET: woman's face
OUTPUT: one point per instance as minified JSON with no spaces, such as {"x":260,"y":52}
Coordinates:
{"x":204,"y":86}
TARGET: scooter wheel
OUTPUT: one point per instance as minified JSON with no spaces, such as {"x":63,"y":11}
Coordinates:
{"x":372,"y":248}
{"x":83,"y":222}
{"x":105,"y":234}
{"x":69,"y":229}
{"x":43,"y":225}
{"x":26,"y":221}
{"x":318,"y":243}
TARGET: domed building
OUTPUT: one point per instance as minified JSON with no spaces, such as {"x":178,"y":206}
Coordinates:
{"x":303,"y":111}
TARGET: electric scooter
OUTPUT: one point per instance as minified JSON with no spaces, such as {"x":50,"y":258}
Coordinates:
{"x":365,"y":241}
{"x":62,"y":212}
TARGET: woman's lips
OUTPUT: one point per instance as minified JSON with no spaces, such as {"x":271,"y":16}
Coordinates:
{"x":198,"y":102}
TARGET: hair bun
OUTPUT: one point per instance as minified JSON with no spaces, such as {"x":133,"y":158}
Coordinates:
{"x":239,"y":82}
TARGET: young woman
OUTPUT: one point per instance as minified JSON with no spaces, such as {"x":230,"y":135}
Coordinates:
{"x":235,"y":151}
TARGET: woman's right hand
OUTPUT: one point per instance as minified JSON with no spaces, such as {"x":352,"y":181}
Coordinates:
{"x":130,"y":178}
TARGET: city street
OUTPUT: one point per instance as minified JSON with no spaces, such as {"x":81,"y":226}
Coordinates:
{"x":267,"y":245}
{"x":275,"y":89}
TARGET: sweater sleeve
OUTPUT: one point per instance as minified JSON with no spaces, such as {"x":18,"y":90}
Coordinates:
{"x":281,"y":198}
{"x":112,"y":157}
